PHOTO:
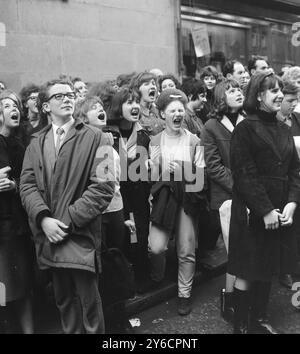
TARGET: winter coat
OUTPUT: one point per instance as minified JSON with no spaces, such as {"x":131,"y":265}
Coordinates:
{"x":215,"y":138}
{"x":16,"y":256}
{"x":78,"y":194}
{"x":265,"y":168}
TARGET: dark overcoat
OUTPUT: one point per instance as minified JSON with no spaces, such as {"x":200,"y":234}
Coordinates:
{"x":265,"y":168}
{"x":215,"y":138}
{"x":16,"y":256}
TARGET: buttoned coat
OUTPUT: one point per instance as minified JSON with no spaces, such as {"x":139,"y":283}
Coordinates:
{"x":215,"y":138}
{"x":265,"y":170}
{"x":79,"y":192}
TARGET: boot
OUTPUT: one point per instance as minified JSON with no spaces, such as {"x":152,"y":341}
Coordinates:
{"x":227,"y":305}
{"x":241,"y":312}
{"x":259,"y":322}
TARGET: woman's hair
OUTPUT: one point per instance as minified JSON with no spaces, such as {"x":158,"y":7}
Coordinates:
{"x":124,"y":79}
{"x":139,"y":79}
{"x":105,"y":91}
{"x":162,"y":78}
{"x":7,"y":93}
{"x":259,"y":83}
{"x":220,"y":105}
{"x":291,"y":75}
{"x":209,"y":71}
{"x":193,"y":87}
{"x":84,"y":106}
{"x":116,"y":113}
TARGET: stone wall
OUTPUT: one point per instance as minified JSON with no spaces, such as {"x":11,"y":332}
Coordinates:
{"x":93,"y":39}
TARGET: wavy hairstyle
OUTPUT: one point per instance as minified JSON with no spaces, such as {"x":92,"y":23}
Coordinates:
{"x":220,"y":105}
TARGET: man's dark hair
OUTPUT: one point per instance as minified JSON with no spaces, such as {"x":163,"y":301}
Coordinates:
{"x":25,"y":93}
{"x":253,"y":60}
{"x":229,"y":67}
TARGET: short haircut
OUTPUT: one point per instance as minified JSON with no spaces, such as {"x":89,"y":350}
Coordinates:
{"x":25,"y":94}
{"x":290,"y":89}
{"x":220,"y":105}
{"x":193,"y":87}
{"x":259,"y":83}
{"x":229,"y":67}
{"x":85,"y":105}
{"x":209,"y":71}
{"x":116,"y":113}
{"x":162,"y":78}
{"x":44,"y":93}
{"x":253,"y":60}
{"x":76,"y":79}
{"x":139,"y":79}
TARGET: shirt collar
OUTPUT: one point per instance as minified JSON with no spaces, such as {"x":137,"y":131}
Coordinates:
{"x":66,"y":127}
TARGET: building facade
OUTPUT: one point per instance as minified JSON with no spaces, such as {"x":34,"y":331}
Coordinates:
{"x":238,"y":29}
{"x":93,"y":39}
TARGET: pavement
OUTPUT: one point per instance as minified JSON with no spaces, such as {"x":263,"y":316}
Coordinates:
{"x":156,"y":312}
{"x":211,"y":265}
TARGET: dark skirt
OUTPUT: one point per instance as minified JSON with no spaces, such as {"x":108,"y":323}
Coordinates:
{"x":16,"y":264}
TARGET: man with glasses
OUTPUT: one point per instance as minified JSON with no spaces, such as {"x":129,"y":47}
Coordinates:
{"x":64,"y":190}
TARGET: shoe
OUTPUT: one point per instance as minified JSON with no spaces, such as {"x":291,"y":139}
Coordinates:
{"x":286,"y":280}
{"x":184,"y":306}
{"x":262,"y":326}
{"x":227,"y":305}
{"x":259,"y":322}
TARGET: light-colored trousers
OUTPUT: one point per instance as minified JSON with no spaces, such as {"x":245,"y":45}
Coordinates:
{"x":185,"y":247}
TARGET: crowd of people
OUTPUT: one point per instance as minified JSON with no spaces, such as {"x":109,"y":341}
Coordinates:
{"x":135,"y":162}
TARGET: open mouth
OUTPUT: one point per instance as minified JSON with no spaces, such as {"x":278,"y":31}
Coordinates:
{"x":177,"y":121}
{"x":101,"y":117}
{"x":152,"y":93}
{"x":239,"y":100}
{"x":135,"y":112}
{"x":14,"y":116}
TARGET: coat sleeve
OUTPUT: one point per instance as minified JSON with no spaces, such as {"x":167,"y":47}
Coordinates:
{"x":294,"y":176}
{"x":216,"y":171}
{"x":244,"y":171}
{"x":100,"y":190}
{"x":31,"y":197}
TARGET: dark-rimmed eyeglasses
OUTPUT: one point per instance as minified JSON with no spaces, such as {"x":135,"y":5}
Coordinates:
{"x":61,"y":96}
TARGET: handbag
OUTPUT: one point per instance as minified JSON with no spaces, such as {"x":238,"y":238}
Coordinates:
{"x":116,"y":281}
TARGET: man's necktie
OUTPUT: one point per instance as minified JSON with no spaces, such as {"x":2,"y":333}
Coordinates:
{"x":59,"y":133}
